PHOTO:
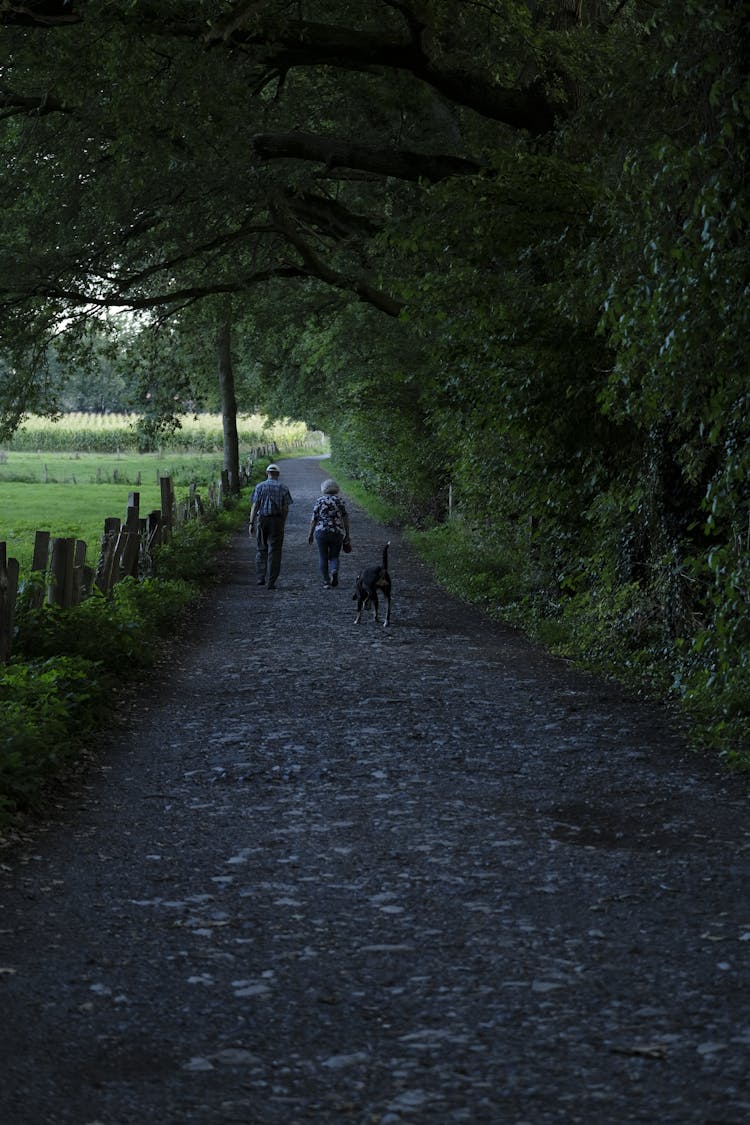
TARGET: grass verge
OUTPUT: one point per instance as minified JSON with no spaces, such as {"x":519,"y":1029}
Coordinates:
{"x":373,"y":505}
{"x":616,"y":635}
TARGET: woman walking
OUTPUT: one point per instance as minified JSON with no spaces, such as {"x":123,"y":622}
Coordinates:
{"x":329,"y":527}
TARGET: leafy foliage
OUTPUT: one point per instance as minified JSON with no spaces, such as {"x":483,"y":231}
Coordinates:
{"x":496,"y":250}
{"x":42,"y":702}
{"x":67,"y":663}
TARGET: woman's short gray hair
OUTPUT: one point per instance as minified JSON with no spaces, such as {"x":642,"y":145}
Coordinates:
{"x":330,"y":487}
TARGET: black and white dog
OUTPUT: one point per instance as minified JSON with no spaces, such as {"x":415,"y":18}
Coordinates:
{"x":372,"y":581}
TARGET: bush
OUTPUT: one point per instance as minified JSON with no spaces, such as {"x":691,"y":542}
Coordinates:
{"x":190,"y":553}
{"x":116,"y":634}
{"x":67,"y":663}
{"x":480,"y":571}
{"x":48,"y":706}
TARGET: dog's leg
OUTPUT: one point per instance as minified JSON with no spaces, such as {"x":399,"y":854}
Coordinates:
{"x":387,"y":621}
{"x":374,"y":603}
{"x":358,"y":618}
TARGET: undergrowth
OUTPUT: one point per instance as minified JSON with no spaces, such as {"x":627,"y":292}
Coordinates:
{"x":68,"y":664}
{"x":614,"y":630}
{"x":378,"y":508}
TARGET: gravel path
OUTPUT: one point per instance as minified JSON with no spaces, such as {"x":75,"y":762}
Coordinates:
{"x":333,"y":873}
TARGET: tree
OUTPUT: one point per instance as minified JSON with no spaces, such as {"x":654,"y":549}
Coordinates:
{"x":430,"y":68}
{"x":494,"y":244}
{"x":228,"y":399}
{"x":161,"y":244}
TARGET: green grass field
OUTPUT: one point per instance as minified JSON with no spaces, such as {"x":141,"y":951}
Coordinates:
{"x":55,"y":479}
{"x":64,"y":510}
{"x":80,"y":509}
{"x":131,"y":469}
{"x":82,"y":490}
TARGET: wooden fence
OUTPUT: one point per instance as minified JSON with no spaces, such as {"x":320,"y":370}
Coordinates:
{"x":126,"y":550}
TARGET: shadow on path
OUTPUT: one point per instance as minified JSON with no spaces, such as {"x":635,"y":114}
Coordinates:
{"x":336,"y":873}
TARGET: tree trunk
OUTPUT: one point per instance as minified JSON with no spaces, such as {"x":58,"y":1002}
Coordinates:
{"x":228,"y":403}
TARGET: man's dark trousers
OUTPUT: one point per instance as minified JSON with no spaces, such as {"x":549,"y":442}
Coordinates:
{"x":269,"y":541}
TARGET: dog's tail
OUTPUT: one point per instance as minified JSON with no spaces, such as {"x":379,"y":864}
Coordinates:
{"x":385,"y":555}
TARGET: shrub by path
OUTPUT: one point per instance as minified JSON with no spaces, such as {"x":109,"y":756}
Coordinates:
{"x":333,"y":873}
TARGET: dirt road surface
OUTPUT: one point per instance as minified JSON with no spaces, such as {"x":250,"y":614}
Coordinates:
{"x":333,"y":873}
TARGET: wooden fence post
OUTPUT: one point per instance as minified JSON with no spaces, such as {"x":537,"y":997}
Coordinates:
{"x":79,"y":566}
{"x":105,"y":565}
{"x":153,"y":529}
{"x":126,"y":555}
{"x":195,"y":508}
{"x":167,"y":507}
{"x":8,"y":591}
{"x":39,"y":564}
{"x":132,"y":514}
{"x":224,"y":493}
{"x":40,"y":557}
{"x":60,"y":584}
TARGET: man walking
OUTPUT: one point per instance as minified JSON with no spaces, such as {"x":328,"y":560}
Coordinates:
{"x":270,"y":507}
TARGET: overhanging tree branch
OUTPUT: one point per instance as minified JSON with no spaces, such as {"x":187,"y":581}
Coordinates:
{"x":50,"y":13}
{"x":116,"y":299}
{"x":335,"y":153}
{"x":11,"y":104}
{"x":282,"y":46}
{"x":312,"y":268}
{"x":315,"y":267}
{"x":330,"y":217}
{"x":220,"y":242}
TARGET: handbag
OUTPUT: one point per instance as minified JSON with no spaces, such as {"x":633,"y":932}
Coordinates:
{"x":346,"y":546}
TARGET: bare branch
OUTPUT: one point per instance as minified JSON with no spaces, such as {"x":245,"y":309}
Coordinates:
{"x":220,"y":242}
{"x":330,"y":217}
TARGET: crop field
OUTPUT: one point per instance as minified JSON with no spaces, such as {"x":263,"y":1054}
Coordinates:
{"x":53,"y":476}
{"x":118,"y":433}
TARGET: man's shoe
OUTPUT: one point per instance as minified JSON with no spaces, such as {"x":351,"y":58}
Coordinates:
{"x":271,"y":585}
{"x":260,"y":582}
{"x":326,"y":585}
{"x":334,"y":579}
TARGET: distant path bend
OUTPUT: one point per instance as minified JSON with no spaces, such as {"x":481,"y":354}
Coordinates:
{"x":342,"y":874}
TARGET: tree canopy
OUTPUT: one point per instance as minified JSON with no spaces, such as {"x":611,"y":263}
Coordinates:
{"x":496,"y":245}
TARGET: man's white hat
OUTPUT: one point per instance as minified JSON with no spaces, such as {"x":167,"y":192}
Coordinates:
{"x":272,"y":468}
